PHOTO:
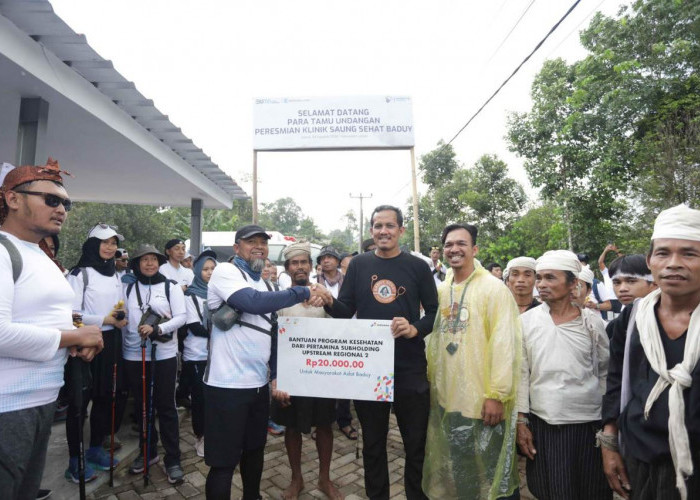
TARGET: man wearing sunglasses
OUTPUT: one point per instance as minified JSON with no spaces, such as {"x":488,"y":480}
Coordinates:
{"x":121,"y":262}
{"x":36,"y":325}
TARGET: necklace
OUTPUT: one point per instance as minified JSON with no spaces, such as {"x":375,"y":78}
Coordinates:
{"x":455,"y":317}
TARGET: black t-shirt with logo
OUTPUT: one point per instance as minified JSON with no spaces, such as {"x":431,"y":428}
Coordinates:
{"x":377,"y":288}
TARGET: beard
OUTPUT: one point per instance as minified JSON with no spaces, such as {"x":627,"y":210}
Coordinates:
{"x":257,"y":265}
{"x":302,"y":281}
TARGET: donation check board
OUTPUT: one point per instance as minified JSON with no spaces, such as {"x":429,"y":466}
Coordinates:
{"x":336,"y":358}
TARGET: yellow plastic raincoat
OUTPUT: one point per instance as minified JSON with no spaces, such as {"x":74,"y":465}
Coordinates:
{"x":473,"y":354}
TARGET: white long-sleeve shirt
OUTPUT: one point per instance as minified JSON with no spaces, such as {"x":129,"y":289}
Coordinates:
{"x":564,"y":367}
{"x":100,"y":297}
{"x":153,"y":295}
{"x":33,"y":312}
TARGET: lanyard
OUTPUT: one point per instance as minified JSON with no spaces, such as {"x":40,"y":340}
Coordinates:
{"x":452,"y":346}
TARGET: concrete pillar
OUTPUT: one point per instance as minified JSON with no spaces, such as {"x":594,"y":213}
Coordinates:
{"x":196,"y":227}
{"x":31,"y":133}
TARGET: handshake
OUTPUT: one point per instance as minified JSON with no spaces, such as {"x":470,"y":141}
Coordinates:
{"x":320,"y":296}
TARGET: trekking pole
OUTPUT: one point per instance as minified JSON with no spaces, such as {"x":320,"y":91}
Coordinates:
{"x":77,"y":381}
{"x":143,"y":412}
{"x":150,"y":402}
{"x":114,"y":406}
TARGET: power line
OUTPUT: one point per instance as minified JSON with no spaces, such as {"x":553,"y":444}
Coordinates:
{"x":515,"y":71}
{"x":576,"y":28}
{"x":510,"y":32}
{"x":361,"y":197}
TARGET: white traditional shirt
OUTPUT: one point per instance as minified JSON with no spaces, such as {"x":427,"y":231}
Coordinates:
{"x":564,"y":367}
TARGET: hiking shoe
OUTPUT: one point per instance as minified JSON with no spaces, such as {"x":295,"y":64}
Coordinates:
{"x":199,"y":446}
{"x":72,"y":473}
{"x":107,"y":442}
{"x":98,"y":458}
{"x":175,"y":474}
{"x":137,"y":465}
{"x":275,"y":429}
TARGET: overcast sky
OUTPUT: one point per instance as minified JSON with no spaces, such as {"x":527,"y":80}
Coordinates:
{"x":203,"y":63}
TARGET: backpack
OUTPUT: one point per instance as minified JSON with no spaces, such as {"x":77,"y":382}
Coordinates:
{"x":15,"y":257}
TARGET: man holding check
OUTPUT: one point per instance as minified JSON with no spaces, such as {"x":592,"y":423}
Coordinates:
{"x":391,"y":285}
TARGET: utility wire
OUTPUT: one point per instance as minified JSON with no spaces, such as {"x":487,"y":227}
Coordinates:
{"x":515,"y":71}
{"x":527,"y":58}
{"x":576,"y":27}
{"x":509,"y":33}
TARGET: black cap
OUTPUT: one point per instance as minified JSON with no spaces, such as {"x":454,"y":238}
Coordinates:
{"x":173,"y":242}
{"x":250,"y":230}
{"x":327,"y":250}
{"x":583,"y":257}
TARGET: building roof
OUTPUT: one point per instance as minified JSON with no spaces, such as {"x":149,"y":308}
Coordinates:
{"x":101,"y":128}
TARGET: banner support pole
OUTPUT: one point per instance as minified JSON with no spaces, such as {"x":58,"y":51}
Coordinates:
{"x":416,"y":234}
{"x":255,"y":186}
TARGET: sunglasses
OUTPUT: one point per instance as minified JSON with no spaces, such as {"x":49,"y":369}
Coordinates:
{"x":107,"y":226}
{"x":51,"y":200}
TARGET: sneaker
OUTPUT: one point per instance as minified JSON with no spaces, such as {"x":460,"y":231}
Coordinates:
{"x":108,"y":442}
{"x":199,"y":446}
{"x":43,"y":494}
{"x":72,"y":473}
{"x":275,"y":429}
{"x":175,"y":474}
{"x":98,"y":458}
{"x":137,"y":465}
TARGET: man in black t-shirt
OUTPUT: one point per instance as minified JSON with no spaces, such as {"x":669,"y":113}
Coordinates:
{"x":653,"y":385}
{"x":390,"y":284}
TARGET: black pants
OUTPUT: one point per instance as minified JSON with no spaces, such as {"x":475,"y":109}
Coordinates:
{"x":100,"y":421}
{"x":194,"y":371}
{"x":411,"y":409}
{"x":342,"y":413}
{"x":657,"y":481}
{"x":163,"y":401}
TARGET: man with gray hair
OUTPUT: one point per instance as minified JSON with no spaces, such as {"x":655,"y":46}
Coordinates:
{"x":237,"y":399}
{"x":652,"y":402}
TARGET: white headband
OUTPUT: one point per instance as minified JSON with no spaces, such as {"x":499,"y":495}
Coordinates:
{"x":645,"y":277}
{"x":678,"y":223}
{"x":560,"y":260}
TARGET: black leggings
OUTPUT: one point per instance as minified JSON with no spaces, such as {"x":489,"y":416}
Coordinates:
{"x":219,"y":478}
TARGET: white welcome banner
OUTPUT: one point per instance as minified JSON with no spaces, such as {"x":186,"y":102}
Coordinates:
{"x":336,"y":358}
{"x":333,"y":123}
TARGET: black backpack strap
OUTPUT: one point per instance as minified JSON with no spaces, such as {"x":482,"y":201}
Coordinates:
{"x":138,"y":296}
{"x":196,"y":305}
{"x":15,"y":257}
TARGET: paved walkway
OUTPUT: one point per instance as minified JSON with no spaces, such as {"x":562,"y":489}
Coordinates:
{"x":346,"y":471}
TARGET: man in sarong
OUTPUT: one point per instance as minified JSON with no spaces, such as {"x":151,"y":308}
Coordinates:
{"x":565,"y":362}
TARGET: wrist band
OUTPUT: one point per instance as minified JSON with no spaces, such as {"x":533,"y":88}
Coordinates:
{"x":608,"y":441}
{"x":523,"y":420}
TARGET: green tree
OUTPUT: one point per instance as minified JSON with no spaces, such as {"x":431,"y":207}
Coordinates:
{"x":283,"y":215}
{"x":138,"y":223}
{"x":438,"y":165}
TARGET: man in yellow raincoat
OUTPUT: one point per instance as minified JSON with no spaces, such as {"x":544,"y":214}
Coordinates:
{"x":473,"y":368}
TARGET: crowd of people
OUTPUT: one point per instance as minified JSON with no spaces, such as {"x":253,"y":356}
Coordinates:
{"x":596,"y":383}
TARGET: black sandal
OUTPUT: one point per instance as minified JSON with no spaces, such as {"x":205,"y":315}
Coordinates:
{"x":351,"y":433}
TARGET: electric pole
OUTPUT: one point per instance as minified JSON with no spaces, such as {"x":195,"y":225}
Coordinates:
{"x":361,"y":197}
